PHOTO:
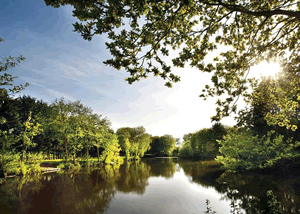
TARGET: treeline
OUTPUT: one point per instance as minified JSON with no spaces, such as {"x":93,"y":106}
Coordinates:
{"x":32,"y":130}
{"x":61,"y":129}
{"x":259,"y":139}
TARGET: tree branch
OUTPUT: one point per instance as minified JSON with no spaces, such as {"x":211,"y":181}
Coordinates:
{"x":239,"y":8}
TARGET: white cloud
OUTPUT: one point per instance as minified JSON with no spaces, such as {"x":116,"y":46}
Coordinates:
{"x":70,"y":72}
{"x":58,"y":94}
{"x":50,"y":91}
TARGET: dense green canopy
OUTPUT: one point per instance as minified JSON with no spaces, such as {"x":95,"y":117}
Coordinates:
{"x":143,"y":32}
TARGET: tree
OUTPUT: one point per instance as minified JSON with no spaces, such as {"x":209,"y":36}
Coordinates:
{"x":123,"y":137}
{"x":203,"y":144}
{"x":134,"y":141}
{"x":29,"y":130}
{"x":111,"y":149}
{"x":266,"y":106}
{"x":9,"y":113}
{"x":286,"y":97}
{"x":62,"y":122}
{"x":142,"y":33}
{"x":162,"y":145}
{"x":81,"y":125}
{"x":6,"y":79}
{"x":103,"y":138}
{"x":141,"y":141}
{"x":168,"y":144}
{"x":154,"y":146}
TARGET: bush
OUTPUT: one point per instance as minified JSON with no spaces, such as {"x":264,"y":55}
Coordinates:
{"x":9,"y":163}
{"x":242,"y":151}
{"x":34,"y":162}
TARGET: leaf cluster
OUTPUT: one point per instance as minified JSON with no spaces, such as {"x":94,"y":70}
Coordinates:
{"x":142,"y":34}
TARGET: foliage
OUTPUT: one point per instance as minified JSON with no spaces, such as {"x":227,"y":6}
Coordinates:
{"x":29,"y":130}
{"x":134,"y":142}
{"x":111,"y":150}
{"x":9,"y":117}
{"x":9,"y":163}
{"x":186,"y":150}
{"x":240,"y":150}
{"x":142,"y":33}
{"x":273,"y":204}
{"x":70,"y":165}
{"x":123,"y":137}
{"x":208,"y":208}
{"x":67,"y":126}
{"x":162,"y":146}
{"x":6,"y":79}
{"x":267,"y":102}
{"x":33,"y":162}
{"x":62,"y":123}
{"x":203,"y":144}
{"x":285,"y":95}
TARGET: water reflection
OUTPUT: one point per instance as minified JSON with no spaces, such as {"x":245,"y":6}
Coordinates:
{"x":248,"y":190}
{"x":148,"y":186}
{"x":251,"y":189}
{"x":164,"y":167}
{"x":134,"y":177}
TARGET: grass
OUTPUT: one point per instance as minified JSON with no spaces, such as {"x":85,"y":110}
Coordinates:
{"x":56,"y":162}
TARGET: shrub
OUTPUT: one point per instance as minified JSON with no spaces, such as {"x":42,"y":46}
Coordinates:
{"x":70,"y":165}
{"x":34,"y":162}
{"x":242,"y":151}
{"x":9,"y":163}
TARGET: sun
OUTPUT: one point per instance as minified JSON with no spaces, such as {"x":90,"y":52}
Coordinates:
{"x":265,"y":69}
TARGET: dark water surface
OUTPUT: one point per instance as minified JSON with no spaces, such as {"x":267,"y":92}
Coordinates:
{"x":150,"y":186}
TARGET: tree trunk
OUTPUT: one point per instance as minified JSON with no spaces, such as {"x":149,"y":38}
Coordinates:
{"x":87,"y":152}
{"x":66,"y":148}
{"x":98,"y":154}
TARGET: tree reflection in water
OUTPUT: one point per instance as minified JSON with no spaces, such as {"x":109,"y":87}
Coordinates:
{"x":248,"y":190}
{"x":92,"y":190}
{"x":134,"y":177}
{"x":164,"y":167}
{"x":68,"y":192}
{"x":15,"y":193}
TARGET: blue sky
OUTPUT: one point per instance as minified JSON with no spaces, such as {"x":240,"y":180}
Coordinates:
{"x":59,"y":63}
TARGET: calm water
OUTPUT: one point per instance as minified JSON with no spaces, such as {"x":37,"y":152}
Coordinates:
{"x":150,"y":186}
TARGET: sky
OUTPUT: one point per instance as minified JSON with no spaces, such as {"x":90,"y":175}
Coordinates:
{"x":60,"y":63}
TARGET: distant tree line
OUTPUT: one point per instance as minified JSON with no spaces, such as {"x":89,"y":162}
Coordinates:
{"x":68,"y":130}
{"x":32,"y":130}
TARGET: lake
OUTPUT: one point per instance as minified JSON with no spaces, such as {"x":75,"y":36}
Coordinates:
{"x":152,"y":185}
